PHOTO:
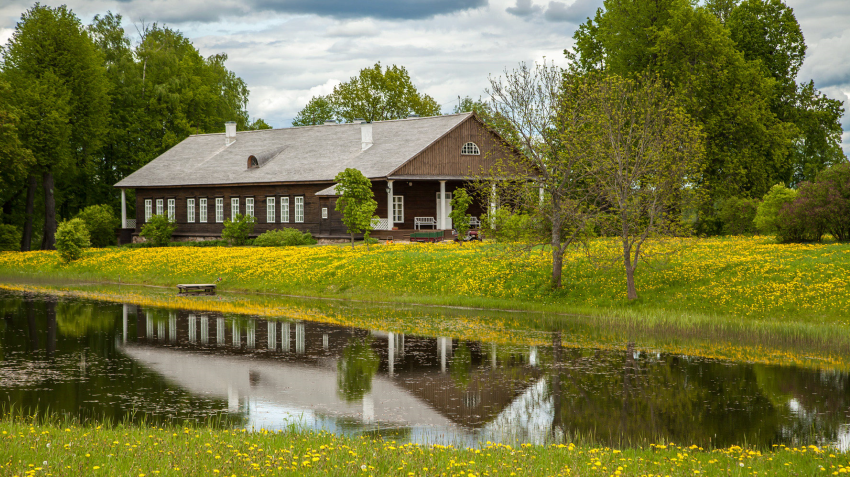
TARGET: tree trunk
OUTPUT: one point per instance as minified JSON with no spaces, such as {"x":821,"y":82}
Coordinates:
{"x":630,"y":272}
{"x":352,"y":239}
{"x":26,"y":240}
{"x":48,"y":242}
{"x":557,"y":253}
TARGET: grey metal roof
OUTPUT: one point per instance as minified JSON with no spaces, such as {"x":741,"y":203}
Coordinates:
{"x":308,"y":154}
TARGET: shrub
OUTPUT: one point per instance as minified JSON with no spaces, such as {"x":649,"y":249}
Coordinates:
{"x":237,"y":230}
{"x":737,"y":215}
{"x":768,"y":211}
{"x":72,"y":236}
{"x":101,"y":223}
{"x":158,"y":230}
{"x":10,"y":238}
{"x":287,"y":237}
{"x":836,"y":181}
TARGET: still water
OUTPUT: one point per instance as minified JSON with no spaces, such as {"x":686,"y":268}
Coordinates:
{"x":92,"y":359}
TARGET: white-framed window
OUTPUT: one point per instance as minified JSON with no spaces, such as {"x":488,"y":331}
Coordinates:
{"x":284,"y":210}
{"x":249,"y":206}
{"x":158,"y":206}
{"x":219,"y":209}
{"x":234,"y":207}
{"x":324,"y":212}
{"x":270,"y":210}
{"x":148,"y":209}
{"x":202,"y":210}
{"x":299,"y":209}
{"x":398,"y":209}
{"x":171,"y":209}
{"x":470,"y":149}
{"x":190,"y":210}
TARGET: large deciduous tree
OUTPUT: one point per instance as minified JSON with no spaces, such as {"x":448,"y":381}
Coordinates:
{"x":644,"y":149}
{"x":735,"y":65}
{"x":15,"y":159}
{"x":375,"y":94}
{"x":59,"y":83}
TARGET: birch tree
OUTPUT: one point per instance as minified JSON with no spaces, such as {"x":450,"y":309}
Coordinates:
{"x":542,"y":188}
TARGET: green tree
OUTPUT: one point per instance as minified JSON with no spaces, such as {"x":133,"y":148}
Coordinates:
{"x":72,"y":237}
{"x":356,"y":369}
{"x":15,"y":159}
{"x":768,"y":211}
{"x":237,"y":230}
{"x":645,"y":148}
{"x":375,"y":94}
{"x":58,"y":79}
{"x":767,"y":31}
{"x":317,"y":111}
{"x":101,"y":224}
{"x":747,"y":147}
{"x":158,"y":230}
{"x":162,"y":91}
{"x":357,"y":203}
{"x":460,"y":219}
{"x":10,"y":238}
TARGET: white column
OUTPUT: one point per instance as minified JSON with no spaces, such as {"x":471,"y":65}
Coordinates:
{"x":272,"y":335}
{"x":123,"y":209}
{"x":442,"y":205}
{"x":493,"y":362}
{"x":492,"y":205}
{"x":390,"y":204}
{"x":541,"y":196}
{"x":368,"y":408}
{"x":125,"y":312}
{"x":391,"y":353}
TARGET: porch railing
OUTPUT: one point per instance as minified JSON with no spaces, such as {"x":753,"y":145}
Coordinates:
{"x":131,"y":223}
{"x":381,"y":224}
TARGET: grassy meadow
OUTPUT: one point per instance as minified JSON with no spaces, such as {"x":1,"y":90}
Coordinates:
{"x":62,"y":448}
{"x":749,"y":278}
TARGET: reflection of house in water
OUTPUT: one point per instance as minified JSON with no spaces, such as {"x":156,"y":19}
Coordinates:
{"x":295,"y":366}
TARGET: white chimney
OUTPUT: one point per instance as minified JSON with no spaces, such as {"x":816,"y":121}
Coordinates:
{"x":365,"y":135}
{"x":229,"y":132}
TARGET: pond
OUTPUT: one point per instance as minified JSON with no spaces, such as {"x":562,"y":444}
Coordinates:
{"x":103,"y":360}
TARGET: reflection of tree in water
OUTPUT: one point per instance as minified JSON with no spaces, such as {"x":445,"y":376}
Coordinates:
{"x":79,"y":319}
{"x":461,"y":366}
{"x":356,"y":369}
{"x":620,"y":397}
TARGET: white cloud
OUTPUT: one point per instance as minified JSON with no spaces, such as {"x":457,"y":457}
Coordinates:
{"x":358,"y":28}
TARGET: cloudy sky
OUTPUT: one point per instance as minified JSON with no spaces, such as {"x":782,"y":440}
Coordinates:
{"x":290,"y":50}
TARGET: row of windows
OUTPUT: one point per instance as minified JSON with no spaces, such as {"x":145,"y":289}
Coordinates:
{"x":271,"y":215}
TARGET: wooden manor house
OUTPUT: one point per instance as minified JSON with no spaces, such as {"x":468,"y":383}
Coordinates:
{"x":285,"y":177}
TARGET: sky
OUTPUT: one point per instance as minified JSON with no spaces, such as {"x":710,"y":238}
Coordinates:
{"x":288,"y":51}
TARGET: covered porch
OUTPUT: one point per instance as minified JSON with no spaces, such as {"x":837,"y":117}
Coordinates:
{"x":412,"y":204}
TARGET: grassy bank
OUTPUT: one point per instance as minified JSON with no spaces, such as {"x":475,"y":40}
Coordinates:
{"x":749,"y":278}
{"x":58,"y":448}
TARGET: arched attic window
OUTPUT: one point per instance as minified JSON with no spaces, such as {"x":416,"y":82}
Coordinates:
{"x":253,"y":162}
{"x":470,"y":149}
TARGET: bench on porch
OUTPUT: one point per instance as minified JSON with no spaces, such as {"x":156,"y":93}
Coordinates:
{"x":474,"y":222}
{"x":196,"y":289}
{"x":418,"y":222}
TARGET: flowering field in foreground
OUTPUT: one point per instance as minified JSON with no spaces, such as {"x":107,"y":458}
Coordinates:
{"x":734,"y":277}
{"x":65,"y":449}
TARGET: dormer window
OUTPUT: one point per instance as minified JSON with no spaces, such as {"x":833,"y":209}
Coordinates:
{"x":253,"y":162}
{"x":470,"y":149}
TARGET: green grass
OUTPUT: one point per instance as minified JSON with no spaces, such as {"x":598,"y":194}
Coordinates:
{"x":717,"y":280}
{"x":53,"y":447}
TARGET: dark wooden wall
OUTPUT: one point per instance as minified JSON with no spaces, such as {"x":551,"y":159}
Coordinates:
{"x":443,"y":158}
{"x":313,"y":221}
